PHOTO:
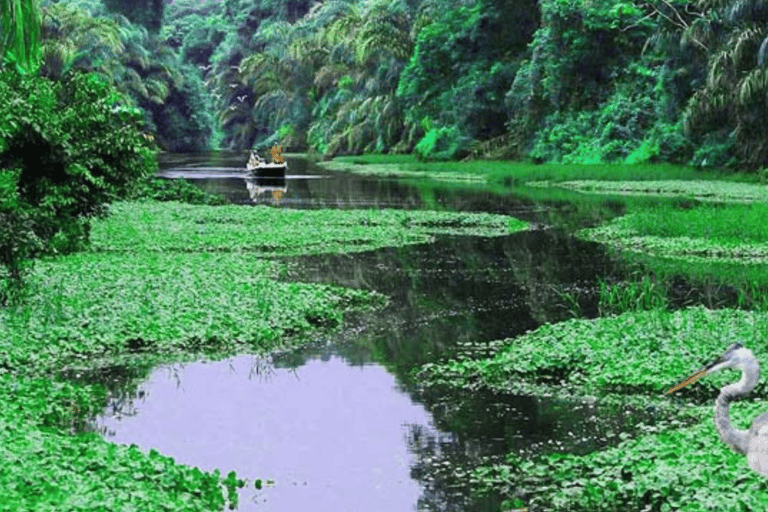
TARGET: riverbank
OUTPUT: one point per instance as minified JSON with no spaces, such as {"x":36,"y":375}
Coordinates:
{"x":165,"y":282}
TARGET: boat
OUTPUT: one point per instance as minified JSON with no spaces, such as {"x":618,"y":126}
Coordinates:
{"x":259,"y":168}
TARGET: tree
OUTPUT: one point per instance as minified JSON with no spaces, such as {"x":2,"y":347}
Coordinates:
{"x":20,"y":22}
{"x":732,"y":100}
{"x":70,"y":34}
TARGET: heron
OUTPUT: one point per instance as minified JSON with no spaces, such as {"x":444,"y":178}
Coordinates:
{"x":753,"y":442}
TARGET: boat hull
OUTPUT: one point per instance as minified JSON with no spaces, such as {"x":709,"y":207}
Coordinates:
{"x":268,"y":170}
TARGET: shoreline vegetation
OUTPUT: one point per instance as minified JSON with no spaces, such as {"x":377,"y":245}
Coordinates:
{"x":93,"y":89}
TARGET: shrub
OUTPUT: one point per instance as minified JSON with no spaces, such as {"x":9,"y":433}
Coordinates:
{"x":161,"y":189}
{"x":718,"y":149}
{"x":18,"y":240}
{"x":444,"y":143}
{"x":65,"y":152}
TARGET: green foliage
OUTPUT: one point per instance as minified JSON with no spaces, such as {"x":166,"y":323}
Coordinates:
{"x":608,"y":134}
{"x":55,"y":470}
{"x":445,"y":143}
{"x":671,"y":469}
{"x":20,"y":22}
{"x":645,"y":295}
{"x":736,"y":224}
{"x":732,"y":98}
{"x":647,"y":150}
{"x":18,"y":240}
{"x":147,"y":13}
{"x":737,"y":232}
{"x":77,"y":318}
{"x":160,"y":189}
{"x":636,"y":352}
{"x":285,"y":130}
{"x":67,"y":154}
{"x":454,"y":75}
{"x":584,"y":42}
{"x":345,"y":82}
{"x":186,"y":125}
{"x":717,"y":149}
{"x":175,"y":227}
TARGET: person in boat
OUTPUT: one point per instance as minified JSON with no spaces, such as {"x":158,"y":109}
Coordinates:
{"x":255,"y":160}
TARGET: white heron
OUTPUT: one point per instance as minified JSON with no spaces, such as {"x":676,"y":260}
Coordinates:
{"x":753,"y":442}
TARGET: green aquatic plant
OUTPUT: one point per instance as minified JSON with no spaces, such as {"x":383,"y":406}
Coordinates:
{"x":669,"y":470}
{"x":632,"y":353}
{"x":736,"y":232}
{"x":645,"y":295}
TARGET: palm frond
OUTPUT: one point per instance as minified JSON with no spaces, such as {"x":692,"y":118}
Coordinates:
{"x":753,"y":87}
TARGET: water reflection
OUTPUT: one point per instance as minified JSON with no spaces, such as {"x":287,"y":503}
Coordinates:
{"x":276,"y":187}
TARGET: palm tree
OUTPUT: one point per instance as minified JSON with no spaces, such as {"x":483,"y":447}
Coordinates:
{"x":70,"y":33}
{"x":737,"y":80}
{"x":371,"y":45}
{"x":20,"y":22}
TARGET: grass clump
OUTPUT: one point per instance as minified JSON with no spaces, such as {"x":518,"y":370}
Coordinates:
{"x":644,"y":295}
{"x":737,"y":232}
{"x":522,"y":172}
{"x":699,"y":188}
{"x":162,"y":189}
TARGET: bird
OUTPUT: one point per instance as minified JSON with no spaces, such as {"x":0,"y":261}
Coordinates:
{"x":753,"y":442}
{"x":233,"y":107}
{"x":238,"y":68}
{"x":241,"y":98}
{"x":234,"y":85}
{"x":205,"y":68}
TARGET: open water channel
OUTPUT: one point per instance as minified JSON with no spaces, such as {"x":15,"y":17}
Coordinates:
{"x":341,"y":425}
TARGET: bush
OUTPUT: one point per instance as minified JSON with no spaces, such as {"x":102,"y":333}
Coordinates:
{"x":161,"y":189}
{"x":718,"y":149}
{"x":444,"y":143}
{"x":65,"y":152}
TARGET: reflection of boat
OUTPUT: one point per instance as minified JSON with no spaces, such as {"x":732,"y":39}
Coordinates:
{"x":259,"y":167}
{"x":258,"y":186}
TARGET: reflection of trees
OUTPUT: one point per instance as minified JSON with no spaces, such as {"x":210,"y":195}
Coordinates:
{"x":440,"y":467}
{"x":461,"y":290}
{"x":121,"y":382}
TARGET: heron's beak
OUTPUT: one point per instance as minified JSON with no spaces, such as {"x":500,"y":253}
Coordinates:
{"x":712,"y":367}
{"x":693,"y":378}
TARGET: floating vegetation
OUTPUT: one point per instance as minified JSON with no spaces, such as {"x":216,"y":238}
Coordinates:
{"x":709,"y":190}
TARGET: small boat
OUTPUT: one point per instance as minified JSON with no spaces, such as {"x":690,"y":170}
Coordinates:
{"x":259,"y":168}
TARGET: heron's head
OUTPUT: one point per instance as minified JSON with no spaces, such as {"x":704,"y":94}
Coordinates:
{"x":736,"y":356}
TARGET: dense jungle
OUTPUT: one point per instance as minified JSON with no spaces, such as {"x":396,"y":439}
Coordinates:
{"x":551,"y":81}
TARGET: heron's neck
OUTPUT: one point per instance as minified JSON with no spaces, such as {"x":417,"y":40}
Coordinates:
{"x":736,"y":439}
